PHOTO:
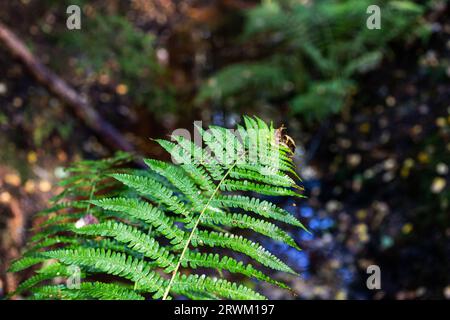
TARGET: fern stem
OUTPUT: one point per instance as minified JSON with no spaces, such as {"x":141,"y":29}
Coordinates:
{"x":194,"y":228}
{"x":91,"y":196}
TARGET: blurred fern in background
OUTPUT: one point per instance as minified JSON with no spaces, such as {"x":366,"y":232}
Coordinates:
{"x":312,"y":53}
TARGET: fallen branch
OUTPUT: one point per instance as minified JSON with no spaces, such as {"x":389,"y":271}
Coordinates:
{"x":63,"y":91}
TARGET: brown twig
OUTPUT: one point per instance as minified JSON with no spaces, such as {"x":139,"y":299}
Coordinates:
{"x":64,"y":91}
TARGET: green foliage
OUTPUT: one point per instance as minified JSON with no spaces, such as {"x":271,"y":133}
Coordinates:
{"x":313,"y":52}
{"x":158,"y":230}
{"x":111,"y":44}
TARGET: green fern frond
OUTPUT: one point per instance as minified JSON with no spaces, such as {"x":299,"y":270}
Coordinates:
{"x":241,"y":245}
{"x":219,"y":287}
{"x":144,"y":211}
{"x":25,"y":263}
{"x":263,"y":208}
{"x":215,"y":261}
{"x":114,"y":263}
{"x":87,"y":290}
{"x":47,"y":272}
{"x":155,"y":228}
{"x":134,"y":239}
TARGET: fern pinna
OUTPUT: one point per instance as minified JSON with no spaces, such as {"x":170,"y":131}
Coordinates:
{"x":155,"y":233}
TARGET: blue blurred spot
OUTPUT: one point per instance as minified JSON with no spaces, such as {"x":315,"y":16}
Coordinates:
{"x":305,"y":236}
{"x":300,"y":258}
{"x":314,"y":224}
{"x":306,"y":212}
{"x":346,"y":274}
{"x":305,"y":275}
{"x":291,"y":209}
{"x":326,"y":223}
{"x":311,"y":184}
